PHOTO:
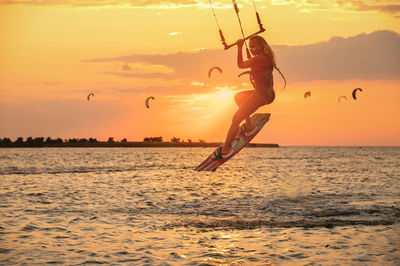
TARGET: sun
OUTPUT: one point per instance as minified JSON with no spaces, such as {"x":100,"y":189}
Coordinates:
{"x":224,"y":93}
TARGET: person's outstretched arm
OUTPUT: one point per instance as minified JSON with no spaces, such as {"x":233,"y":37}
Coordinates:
{"x":240,"y":61}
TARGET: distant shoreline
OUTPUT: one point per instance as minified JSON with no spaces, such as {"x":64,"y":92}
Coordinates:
{"x":130,"y":144}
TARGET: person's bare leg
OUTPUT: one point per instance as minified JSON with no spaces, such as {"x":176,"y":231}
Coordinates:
{"x":248,"y":125}
{"x":240,"y":97}
{"x":233,"y":129}
{"x":249,"y":106}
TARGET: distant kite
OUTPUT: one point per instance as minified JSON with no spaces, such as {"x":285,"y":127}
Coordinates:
{"x":90,"y":94}
{"x":147,"y":101}
{"x":342,"y":97}
{"x":211,"y":69}
{"x":307,"y":94}
{"x":354,"y":93}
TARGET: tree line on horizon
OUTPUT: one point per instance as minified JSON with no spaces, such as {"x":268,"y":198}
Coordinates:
{"x":39,"y":141}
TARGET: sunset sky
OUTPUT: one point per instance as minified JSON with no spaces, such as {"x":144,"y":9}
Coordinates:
{"x":53,"y":53}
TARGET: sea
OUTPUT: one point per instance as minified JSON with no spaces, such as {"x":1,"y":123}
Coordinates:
{"x":147,"y":206}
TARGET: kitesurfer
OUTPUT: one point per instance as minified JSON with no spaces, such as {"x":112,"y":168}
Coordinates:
{"x":261,"y":65}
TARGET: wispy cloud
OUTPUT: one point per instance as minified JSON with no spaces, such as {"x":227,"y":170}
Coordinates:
{"x":384,"y":6}
{"x":45,"y":83}
{"x":126,"y":67}
{"x":282,"y":2}
{"x":174,"y":33}
{"x":115,"y":3}
{"x":187,"y":66}
{"x":139,"y":75}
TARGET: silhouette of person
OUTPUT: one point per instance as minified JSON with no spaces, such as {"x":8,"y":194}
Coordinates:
{"x":261,"y":66}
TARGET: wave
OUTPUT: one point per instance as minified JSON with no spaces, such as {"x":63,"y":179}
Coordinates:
{"x":60,"y":171}
{"x":306,"y":212}
{"x":323,"y":210}
{"x":273,"y":223}
{"x":81,"y":170}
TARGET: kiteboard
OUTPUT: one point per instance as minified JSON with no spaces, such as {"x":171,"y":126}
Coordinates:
{"x":240,"y":141}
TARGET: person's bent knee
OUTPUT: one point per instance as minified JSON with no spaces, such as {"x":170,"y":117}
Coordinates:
{"x":238,"y":98}
{"x":241,"y":96}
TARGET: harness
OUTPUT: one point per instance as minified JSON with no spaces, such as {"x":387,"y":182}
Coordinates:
{"x":260,"y":77}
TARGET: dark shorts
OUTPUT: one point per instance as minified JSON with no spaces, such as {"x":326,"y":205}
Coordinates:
{"x":264,"y":85}
{"x":267,"y":93}
{"x":249,"y":101}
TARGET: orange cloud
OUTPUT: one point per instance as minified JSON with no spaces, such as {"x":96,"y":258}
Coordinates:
{"x":388,"y":6}
{"x":365,"y":56}
{"x":384,"y":6}
{"x":100,"y":3}
{"x":182,"y":71}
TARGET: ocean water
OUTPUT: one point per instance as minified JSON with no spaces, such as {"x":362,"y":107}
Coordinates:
{"x":138,"y":206}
